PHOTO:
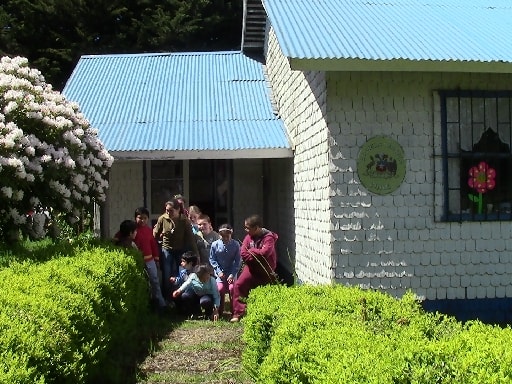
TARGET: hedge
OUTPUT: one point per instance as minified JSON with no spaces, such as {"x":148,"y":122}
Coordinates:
{"x":62,"y":320}
{"x":338,"y":334}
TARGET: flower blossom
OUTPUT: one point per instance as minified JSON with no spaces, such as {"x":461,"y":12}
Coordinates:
{"x":482,"y":177}
{"x":49,"y":153}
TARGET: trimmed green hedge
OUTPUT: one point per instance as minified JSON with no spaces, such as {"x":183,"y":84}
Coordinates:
{"x":64,"y":320}
{"x":337,"y":334}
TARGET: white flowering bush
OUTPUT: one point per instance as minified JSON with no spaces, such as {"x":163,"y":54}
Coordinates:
{"x":50,"y":156}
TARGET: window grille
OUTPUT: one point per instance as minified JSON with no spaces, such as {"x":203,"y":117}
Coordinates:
{"x":477,"y":160}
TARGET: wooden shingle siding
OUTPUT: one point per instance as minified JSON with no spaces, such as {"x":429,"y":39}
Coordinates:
{"x":300,"y":98}
{"x":391,"y":242}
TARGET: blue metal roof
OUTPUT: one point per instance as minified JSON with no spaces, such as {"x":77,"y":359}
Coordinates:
{"x":179,"y":105}
{"x":379,"y":30}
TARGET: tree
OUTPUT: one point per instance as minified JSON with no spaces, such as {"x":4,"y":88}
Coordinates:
{"x":49,"y":154}
{"x":53,"y":34}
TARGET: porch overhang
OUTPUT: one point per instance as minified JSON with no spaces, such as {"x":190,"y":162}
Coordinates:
{"x":274,"y":153}
{"x":196,"y":140}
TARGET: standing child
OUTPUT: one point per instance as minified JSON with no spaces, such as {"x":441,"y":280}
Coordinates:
{"x":193,"y":214}
{"x":126,"y":235}
{"x":199,"y":293}
{"x":146,"y":243}
{"x":205,"y":237}
{"x":225,"y":260}
{"x":175,"y":231}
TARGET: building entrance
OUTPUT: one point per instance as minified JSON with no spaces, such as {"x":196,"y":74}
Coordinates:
{"x":210,"y":188}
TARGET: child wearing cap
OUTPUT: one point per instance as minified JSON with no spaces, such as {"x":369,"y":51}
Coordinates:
{"x":225,"y":260}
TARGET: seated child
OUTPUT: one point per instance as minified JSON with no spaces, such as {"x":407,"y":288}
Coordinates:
{"x":187,"y":265}
{"x":199,"y":292}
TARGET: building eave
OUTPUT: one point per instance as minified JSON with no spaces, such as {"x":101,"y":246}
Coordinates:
{"x":400,"y":65}
{"x":270,"y":153}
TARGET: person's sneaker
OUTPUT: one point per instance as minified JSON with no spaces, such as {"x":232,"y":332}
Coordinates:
{"x":234,"y":319}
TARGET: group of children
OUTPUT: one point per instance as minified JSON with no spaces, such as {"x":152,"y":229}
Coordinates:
{"x":202,"y":288}
{"x":199,"y":285}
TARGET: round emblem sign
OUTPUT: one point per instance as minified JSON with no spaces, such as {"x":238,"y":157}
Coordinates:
{"x":381,"y":165}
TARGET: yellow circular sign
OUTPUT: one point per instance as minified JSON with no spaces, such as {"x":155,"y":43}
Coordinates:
{"x":381,"y":165}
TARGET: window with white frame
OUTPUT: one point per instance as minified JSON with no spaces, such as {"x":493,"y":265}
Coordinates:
{"x":166,"y":181}
{"x":477,"y":159}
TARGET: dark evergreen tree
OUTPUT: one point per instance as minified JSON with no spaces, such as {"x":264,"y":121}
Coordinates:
{"x":53,"y":34}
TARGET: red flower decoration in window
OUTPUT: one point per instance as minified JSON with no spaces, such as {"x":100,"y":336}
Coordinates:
{"x":482,"y":177}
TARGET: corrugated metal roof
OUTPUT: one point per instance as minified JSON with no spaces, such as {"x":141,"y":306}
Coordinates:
{"x":434,"y":30}
{"x":209,"y":102}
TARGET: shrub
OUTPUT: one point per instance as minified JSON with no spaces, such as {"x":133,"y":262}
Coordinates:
{"x":50,"y":156}
{"x":61,"y":320}
{"x":336,"y":334}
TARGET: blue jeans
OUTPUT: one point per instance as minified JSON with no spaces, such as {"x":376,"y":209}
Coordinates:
{"x":156,"y":291}
{"x":169,"y":263}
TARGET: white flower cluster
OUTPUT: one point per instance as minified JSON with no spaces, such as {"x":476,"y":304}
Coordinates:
{"x":49,"y":154}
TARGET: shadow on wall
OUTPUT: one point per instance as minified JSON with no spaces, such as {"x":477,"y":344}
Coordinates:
{"x":490,"y":311}
{"x":285,"y":275}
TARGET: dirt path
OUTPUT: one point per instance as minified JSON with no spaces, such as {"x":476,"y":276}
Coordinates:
{"x":198,"y":351}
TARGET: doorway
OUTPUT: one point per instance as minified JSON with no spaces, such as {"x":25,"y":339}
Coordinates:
{"x":210,"y":188}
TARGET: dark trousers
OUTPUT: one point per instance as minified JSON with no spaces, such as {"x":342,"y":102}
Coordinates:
{"x":192,"y":304}
{"x":169,"y":262}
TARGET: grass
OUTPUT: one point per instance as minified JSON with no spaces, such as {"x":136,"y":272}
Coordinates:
{"x":198,"y":351}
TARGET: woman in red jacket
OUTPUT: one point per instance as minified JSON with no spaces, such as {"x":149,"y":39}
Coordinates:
{"x":259,"y":255}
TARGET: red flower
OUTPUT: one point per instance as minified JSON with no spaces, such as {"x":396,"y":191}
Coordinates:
{"x":482,"y":177}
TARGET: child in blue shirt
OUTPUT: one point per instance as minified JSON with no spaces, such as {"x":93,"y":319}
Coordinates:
{"x":225,"y":261}
{"x":187,"y":265}
{"x":199,"y":292}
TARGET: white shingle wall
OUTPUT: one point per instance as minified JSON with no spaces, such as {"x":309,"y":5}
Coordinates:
{"x":393,"y":242}
{"x":300,"y":98}
{"x":396,"y":242}
{"x":125,"y":193}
